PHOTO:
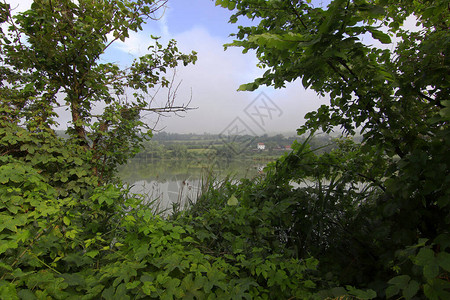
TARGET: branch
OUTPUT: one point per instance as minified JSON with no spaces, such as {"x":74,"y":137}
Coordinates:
{"x":297,"y":15}
{"x":157,"y":8}
{"x":171,"y":109}
{"x":344,"y":64}
{"x":337,"y":71}
{"x":373,"y":180}
{"x":435,"y":101}
{"x":171,"y":95}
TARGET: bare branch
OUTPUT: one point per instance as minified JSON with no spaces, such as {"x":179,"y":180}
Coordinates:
{"x":169,"y":109}
{"x":169,"y":106}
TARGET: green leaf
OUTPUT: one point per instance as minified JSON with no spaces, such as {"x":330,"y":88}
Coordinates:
{"x":172,"y":288}
{"x":233,"y":201}
{"x":400,"y":281}
{"x":338,"y":292}
{"x":26,"y":294}
{"x":431,"y":271}
{"x":381,"y":36}
{"x":437,"y":289}
{"x":8,"y":291}
{"x":73,"y":279}
{"x":92,"y":253}
{"x":425,"y":257}
{"x":148,"y":288}
{"x":133,"y":284}
{"x":223,"y":3}
{"x":376,"y":10}
{"x":361,"y":294}
{"x":445,"y":112}
{"x":392,"y":291}
{"x":411,"y":290}
{"x":248,"y":87}
{"x":443,"y":259}
{"x":5,"y":266}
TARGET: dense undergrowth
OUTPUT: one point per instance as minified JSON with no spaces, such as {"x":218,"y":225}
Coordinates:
{"x":63,"y":236}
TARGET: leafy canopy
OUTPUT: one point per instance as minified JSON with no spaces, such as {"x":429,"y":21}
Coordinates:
{"x":51,"y":54}
{"x":388,"y":94}
{"x":393,"y":236}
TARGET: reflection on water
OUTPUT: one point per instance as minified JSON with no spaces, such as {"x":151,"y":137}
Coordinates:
{"x":181,"y":181}
{"x":165,"y":193}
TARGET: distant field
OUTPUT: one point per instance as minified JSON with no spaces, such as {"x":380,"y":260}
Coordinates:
{"x":201,"y":151}
{"x":193,"y":142}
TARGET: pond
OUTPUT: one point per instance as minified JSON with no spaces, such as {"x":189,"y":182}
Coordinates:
{"x":168,"y":182}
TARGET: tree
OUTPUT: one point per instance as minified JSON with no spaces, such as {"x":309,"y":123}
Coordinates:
{"x":366,"y":84}
{"x":53,"y":51}
{"x":178,"y":151}
{"x":397,"y":99}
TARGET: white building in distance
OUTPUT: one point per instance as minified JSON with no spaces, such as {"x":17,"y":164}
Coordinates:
{"x":261,"y":146}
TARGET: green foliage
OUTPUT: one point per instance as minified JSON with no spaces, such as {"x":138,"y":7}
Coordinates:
{"x":62,"y":163}
{"x":363,"y":221}
{"x":111,"y":246}
{"x":61,"y":56}
{"x":369,"y":205}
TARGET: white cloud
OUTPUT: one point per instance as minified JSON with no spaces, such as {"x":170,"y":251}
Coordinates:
{"x":138,"y":42}
{"x":135,"y":45}
{"x":163,"y":24}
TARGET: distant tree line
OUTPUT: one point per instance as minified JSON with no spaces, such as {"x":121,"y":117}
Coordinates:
{"x":186,"y":146}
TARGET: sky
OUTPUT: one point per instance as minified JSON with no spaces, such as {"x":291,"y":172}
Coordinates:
{"x":213,"y":81}
{"x":211,"y":84}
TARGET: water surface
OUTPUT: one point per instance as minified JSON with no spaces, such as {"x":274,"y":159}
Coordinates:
{"x":168,"y":182}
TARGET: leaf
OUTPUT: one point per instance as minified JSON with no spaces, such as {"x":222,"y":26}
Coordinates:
{"x":400,"y":281}
{"x":311,"y":263}
{"x":443,"y":259}
{"x":223,"y":3}
{"x":5,"y":266}
{"x":381,"y":36}
{"x":26,"y":294}
{"x":66,"y":221}
{"x":425,"y":257}
{"x":392,"y":291}
{"x":309,"y":284}
{"x":148,"y":288}
{"x":376,"y":10}
{"x":8,"y":291}
{"x":248,"y":87}
{"x":437,"y":289}
{"x":338,"y":292}
{"x":73,"y":279}
{"x":233,"y":201}
{"x":92,"y":253}
{"x":411,"y":290}
{"x":431,"y":271}
{"x":361,"y":294}
{"x":445,"y":112}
